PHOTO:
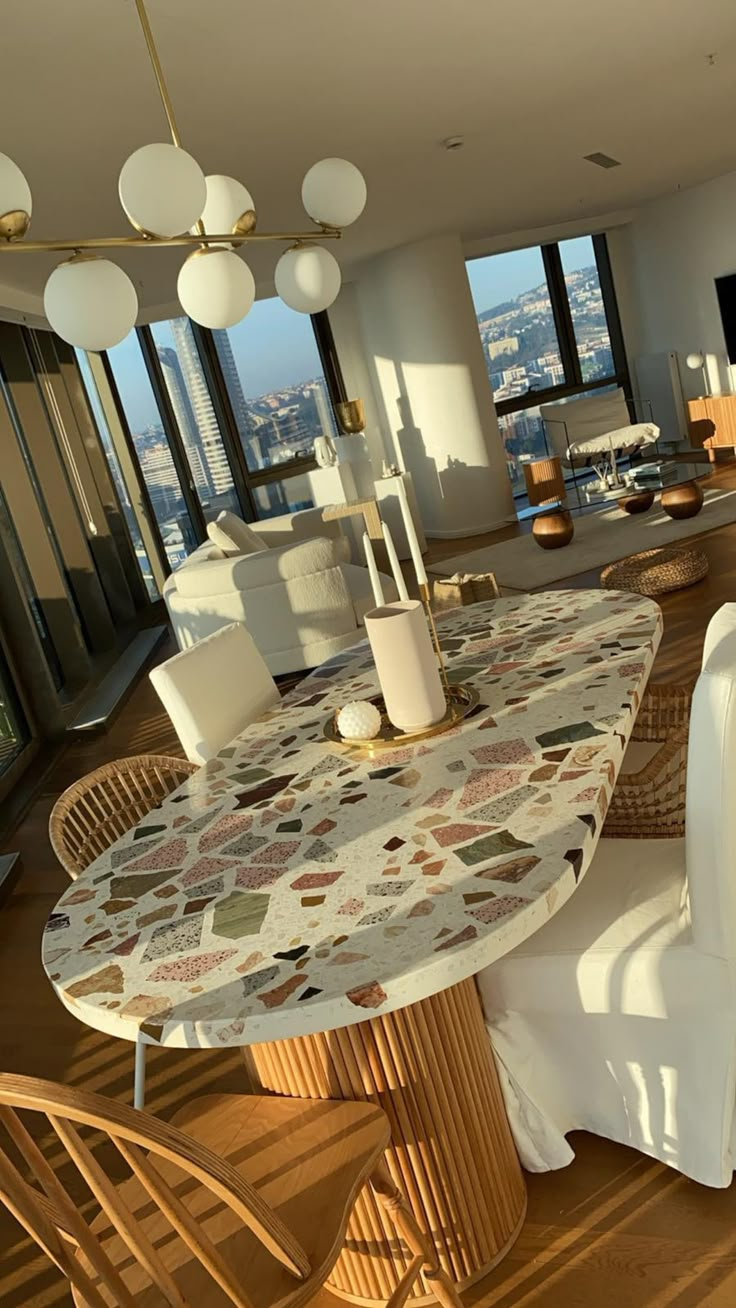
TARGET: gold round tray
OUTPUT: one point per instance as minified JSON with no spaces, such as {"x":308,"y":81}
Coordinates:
{"x":461,"y":700}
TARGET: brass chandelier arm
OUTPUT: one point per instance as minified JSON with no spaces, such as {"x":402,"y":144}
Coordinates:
{"x":158,"y":72}
{"x":156,"y":242}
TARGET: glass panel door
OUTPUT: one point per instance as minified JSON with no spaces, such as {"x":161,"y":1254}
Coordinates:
{"x":149,"y":438}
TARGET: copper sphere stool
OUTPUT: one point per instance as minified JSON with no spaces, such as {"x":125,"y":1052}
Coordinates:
{"x":554,"y":529}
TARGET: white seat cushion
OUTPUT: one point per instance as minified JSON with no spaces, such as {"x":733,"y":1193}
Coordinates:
{"x":233,"y":536}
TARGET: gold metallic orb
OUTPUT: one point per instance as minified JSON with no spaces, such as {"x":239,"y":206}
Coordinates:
{"x":246,"y":223}
{"x":351,"y":416}
{"x":683,"y":501}
{"x":14,"y":224}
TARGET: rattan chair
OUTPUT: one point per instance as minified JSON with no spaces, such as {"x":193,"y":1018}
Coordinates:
{"x":650,"y":802}
{"x":99,"y":808}
{"x":241,"y":1199}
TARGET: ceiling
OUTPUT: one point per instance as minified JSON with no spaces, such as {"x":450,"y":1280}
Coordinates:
{"x":264,"y":90}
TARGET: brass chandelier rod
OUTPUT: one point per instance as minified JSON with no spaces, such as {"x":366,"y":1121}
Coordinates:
{"x":156,"y":242}
{"x":158,"y":72}
{"x":322,"y":232}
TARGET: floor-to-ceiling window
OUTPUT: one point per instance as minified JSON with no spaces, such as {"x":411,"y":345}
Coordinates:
{"x":278,"y":393}
{"x":549,"y":327}
{"x":170,"y":487}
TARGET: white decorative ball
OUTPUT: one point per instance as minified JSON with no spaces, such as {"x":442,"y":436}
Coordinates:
{"x":162,"y":190}
{"x":307,"y":278}
{"x":695,"y":360}
{"x":334,"y":192}
{"x":216,"y":287}
{"x":90,"y":303}
{"x":359,"y":720}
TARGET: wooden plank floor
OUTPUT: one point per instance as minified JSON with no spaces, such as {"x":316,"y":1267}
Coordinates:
{"x":614,"y":1229}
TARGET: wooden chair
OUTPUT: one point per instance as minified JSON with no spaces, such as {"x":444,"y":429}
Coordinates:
{"x":93,"y":813}
{"x":649,"y":797}
{"x":99,"y":808}
{"x":241,"y":1200}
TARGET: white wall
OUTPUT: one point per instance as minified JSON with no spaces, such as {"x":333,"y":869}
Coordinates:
{"x":430,"y":393}
{"x":664,"y":266}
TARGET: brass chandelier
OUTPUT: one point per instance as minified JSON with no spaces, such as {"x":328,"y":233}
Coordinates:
{"x":92,"y":303}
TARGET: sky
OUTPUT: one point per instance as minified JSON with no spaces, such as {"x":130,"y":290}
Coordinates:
{"x":274,"y":347}
{"x":500,"y":277}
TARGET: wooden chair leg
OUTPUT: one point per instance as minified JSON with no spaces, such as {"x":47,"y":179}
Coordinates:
{"x":399,"y":1213}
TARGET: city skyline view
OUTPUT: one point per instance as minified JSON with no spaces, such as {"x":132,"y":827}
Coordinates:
{"x":273,"y":347}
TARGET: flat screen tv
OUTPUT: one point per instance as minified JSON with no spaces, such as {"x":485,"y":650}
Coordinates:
{"x":726,"y":291}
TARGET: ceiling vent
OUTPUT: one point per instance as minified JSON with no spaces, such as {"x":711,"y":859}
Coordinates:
{"x":602,"y":160}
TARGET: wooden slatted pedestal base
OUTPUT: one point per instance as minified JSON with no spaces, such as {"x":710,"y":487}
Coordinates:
{"x":430,"y":1068}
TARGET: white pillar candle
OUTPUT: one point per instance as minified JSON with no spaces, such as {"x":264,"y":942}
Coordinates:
{"x":370,"y":559}
{"x":406,"y":664}
{"x":411,"y":535}
{"x":393,"y":559}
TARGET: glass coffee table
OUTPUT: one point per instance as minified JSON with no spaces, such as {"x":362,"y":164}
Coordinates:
{"x":677,"y":484}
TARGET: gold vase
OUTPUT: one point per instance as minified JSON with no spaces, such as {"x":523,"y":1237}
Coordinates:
{"x":351,"y":416}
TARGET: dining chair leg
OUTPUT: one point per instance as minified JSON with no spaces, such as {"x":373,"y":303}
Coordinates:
{"x":139,"y":1076}
{"x":399,"y":1213}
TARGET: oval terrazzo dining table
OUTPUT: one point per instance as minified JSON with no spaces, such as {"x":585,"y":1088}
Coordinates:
{"x":331,"y":909}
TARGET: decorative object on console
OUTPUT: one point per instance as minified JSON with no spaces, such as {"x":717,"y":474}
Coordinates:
{"x":359,"y":720}
{"x":406,"y":665}
{"x":92,"y":303}
{"x":325,"y":452}
{"x":698,"y":362}
{"x":351,"y":417}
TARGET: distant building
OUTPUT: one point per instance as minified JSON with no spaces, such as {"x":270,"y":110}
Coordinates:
{"x":507,"y":345}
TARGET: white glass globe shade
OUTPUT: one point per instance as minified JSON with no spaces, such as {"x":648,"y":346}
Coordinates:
{"x":90,"y":303}
{"x":162,"y":190}
{"x":216,"y":288}
{"x":308,"y":278}
{"x":227,"y":200}
{"x":15,"y":193}
{"x":695,"y":360}
{"x":359,"y":720}
{"x":334,"y":192}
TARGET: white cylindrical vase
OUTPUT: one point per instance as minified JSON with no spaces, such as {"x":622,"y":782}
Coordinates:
{"x":406,"y":664}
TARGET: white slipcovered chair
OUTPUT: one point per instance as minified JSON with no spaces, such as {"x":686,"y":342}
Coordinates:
{"x":619,"y":1015}
{"x":214,"y":689}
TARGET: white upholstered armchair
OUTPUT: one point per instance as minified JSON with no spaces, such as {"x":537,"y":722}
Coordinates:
{"x":583,"y":431}
{"x":619,"y":1015}
{"x":301,"y":600}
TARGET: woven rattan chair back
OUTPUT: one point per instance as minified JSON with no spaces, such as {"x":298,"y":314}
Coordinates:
{"x":99,"y":808}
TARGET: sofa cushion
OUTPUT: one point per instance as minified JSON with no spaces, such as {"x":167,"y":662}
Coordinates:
{"x":233,"y":536}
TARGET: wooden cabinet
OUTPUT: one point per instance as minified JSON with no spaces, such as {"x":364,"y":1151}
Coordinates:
{"x":712,"y":422}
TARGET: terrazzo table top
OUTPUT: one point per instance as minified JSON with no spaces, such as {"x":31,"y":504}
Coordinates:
{"x":294,"y":886}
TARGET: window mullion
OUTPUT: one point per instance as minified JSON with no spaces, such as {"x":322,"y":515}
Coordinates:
{"x":562,"y":316}
{"x":212,"y":370}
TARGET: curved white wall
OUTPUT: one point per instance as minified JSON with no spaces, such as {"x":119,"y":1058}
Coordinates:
{"x":431,"y":397}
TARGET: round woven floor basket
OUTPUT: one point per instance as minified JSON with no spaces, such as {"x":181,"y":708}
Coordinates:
{"x":654,"y":572}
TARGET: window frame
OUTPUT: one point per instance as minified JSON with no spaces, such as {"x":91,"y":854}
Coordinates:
{"x":567,"y":342}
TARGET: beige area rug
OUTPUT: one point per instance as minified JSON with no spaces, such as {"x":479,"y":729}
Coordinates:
{"x":600,"y":538}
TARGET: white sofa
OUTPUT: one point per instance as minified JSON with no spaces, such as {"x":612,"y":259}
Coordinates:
{"x":299,"y":598}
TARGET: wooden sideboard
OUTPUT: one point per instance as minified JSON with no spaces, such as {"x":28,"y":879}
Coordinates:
{"x":712,"y":423}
